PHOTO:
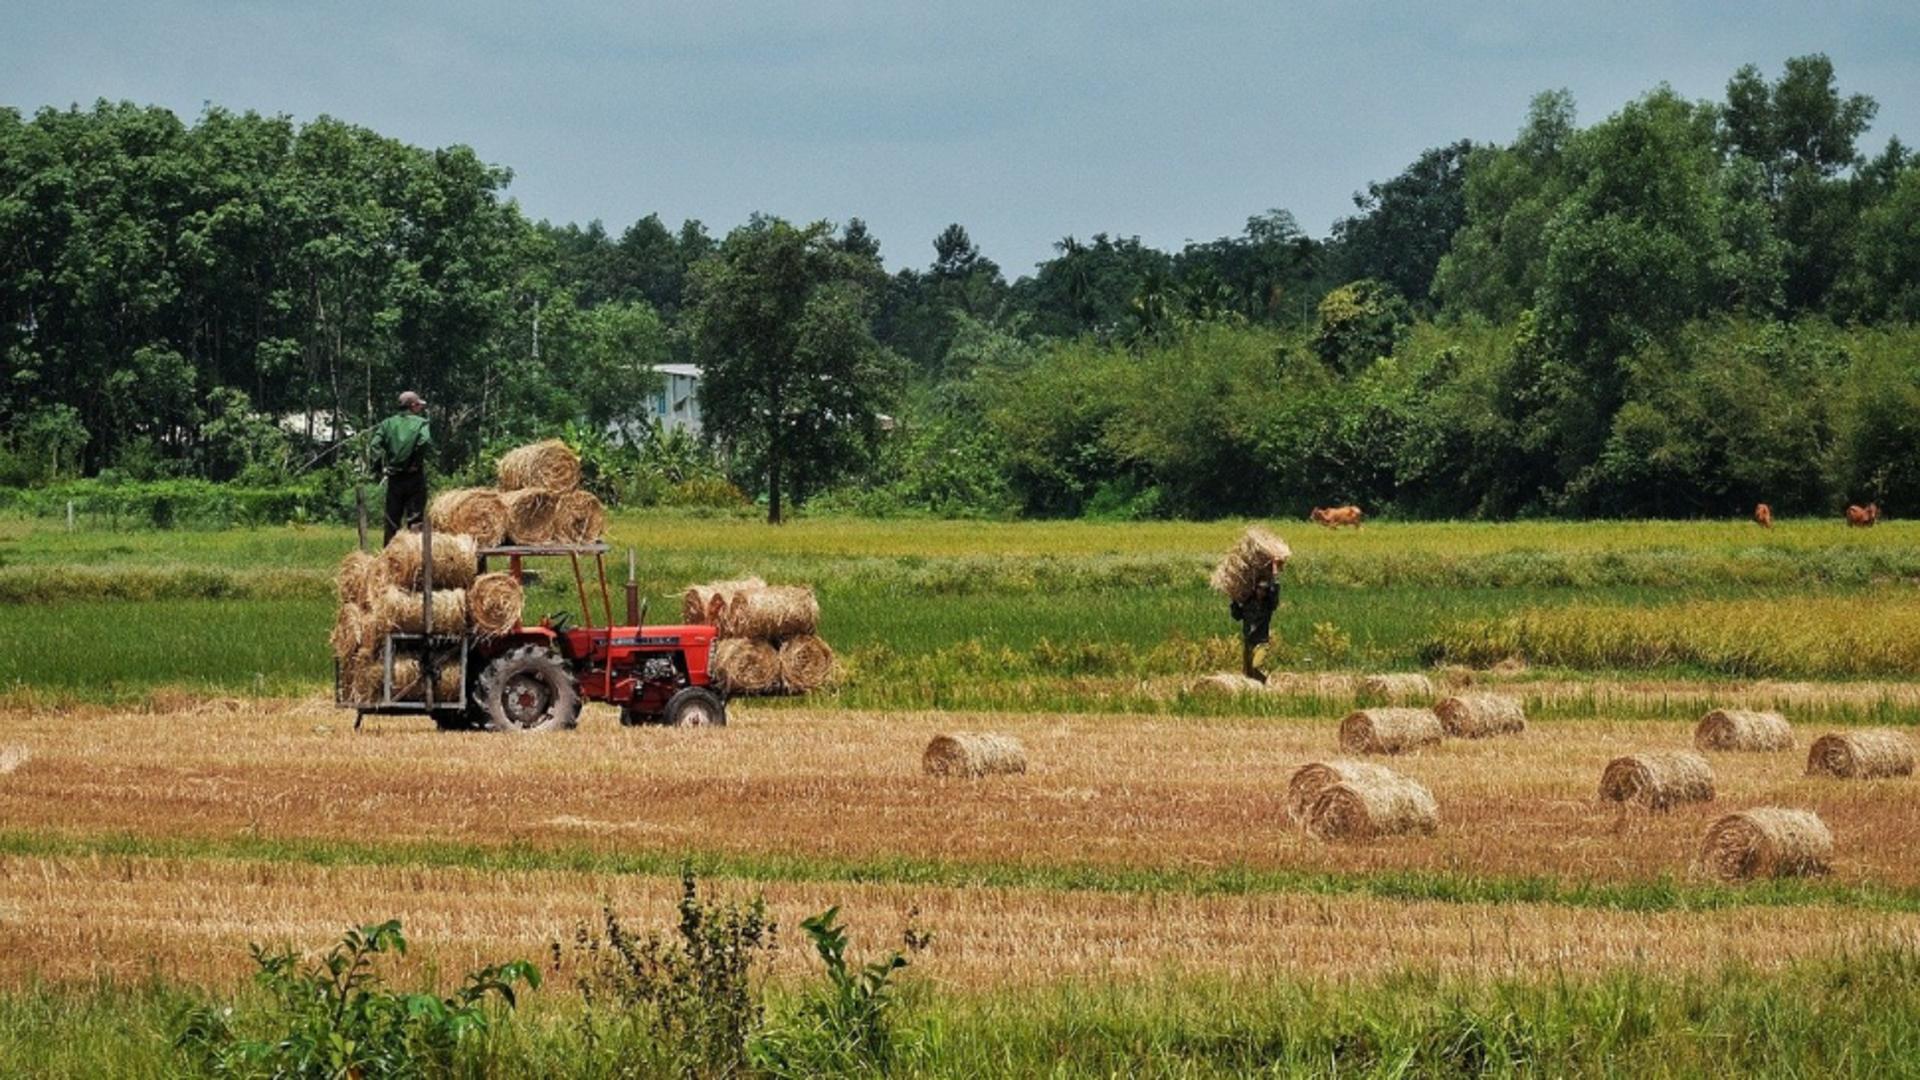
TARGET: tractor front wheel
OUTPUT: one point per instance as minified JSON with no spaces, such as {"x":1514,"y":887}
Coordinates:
{"x":528,"y":689}
{"x":695,"y":706}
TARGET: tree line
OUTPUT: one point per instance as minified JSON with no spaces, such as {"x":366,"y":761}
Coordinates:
{"x":1682,"y":308}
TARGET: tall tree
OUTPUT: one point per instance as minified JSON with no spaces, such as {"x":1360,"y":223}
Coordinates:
{"x":792,"y":379}
{"x":1406,"y":224}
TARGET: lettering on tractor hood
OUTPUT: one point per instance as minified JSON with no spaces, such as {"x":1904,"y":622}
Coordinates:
{"x":644,"y":639}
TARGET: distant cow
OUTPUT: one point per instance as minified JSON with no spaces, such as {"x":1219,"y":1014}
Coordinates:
{"x":1335,"y":516}
{"x":1763,"y":516}
{"x":1861,"y":517}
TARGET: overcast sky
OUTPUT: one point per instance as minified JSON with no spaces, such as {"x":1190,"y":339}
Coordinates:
{"x":1024,"y":121}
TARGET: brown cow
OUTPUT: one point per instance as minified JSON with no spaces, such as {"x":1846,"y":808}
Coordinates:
{"x":1335,"y":516}
{"x":1763,"y":514}
{"x":1861,"y":517}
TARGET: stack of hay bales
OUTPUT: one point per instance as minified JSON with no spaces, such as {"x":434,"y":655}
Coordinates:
{"x":380,"y":594}
{"x":539,"y":501}
{"x":769,"y":638}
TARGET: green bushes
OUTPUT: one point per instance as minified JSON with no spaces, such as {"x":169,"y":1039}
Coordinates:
{"x":165,"y":504}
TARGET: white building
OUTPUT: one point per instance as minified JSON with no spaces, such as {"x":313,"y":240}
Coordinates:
{"x":677,"y":404}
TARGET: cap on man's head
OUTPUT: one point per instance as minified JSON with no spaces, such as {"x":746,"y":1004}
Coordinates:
{"x":409,"y":399}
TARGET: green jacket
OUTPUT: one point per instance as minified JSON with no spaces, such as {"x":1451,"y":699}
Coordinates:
{"x":401,"y":441}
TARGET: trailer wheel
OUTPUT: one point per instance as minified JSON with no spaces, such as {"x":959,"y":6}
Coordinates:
{"x":528,"y":689}
{"x":695,"y":706}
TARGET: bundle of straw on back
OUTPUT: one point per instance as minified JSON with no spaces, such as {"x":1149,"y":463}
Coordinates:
{"x":973,"y":754}
{"x":1364,"y":808}
{"x":806,"y":663}
{"x":1401,"y":687}
{"x":494,"y":604}
{"x":1861,"y":755}
{"x":1389,"y":731}
{"x":550,"y":465}
{"x":530,"y":515}
{"x":410,"y":684}
{"x":351,"y":580}
{"x":479,"y":513}
{"x":578,"y":518}
{"x":399,"y":611}
{"x":1241,"y":567}
{"x":1767,"y":841}
{"x":1742,"y":729}
{"x":777,"y":611}
{"x":1311,"y":779}
{"x":351,"y":634}
{"x":707,"y":604}
{"x":1658,"y":779}
{"x":455,"y":561}
{"x":745,"y":666}
{"x":1480,"y":716}
{"x":1225,"y":684}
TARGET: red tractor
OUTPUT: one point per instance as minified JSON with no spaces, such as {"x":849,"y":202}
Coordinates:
{"x":533,"y":678}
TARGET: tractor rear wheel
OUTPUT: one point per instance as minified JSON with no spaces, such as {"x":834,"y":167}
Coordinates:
{"x":528,"y":689}
{"x":695,"y":706}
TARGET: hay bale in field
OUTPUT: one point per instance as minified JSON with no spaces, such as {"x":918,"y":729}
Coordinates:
{"x":973,"y":754}
{"x":351,"y":579}
{"x":550,"y":465}
{"x":495,"y":603}
{"x":530,"y":515}
{"x":352,"y":633}
{"x":578,"y":518}
{"x":1366,"y":807}
{"x":745,"y":666}
{"x":1743,"y":729}
{"x":477,"y":513}
{"x":1861,"y":755}
{"x":707,"y":604}
{"x":777,"y":611}
{"x":1225,"y":684}
{"x":455,"y":561}
{"x":1658,"y":779}
{"x":1398,"y":687}
{"x":399,"y":611}
{"x":1389,"y":731}
{"x":806,"y":663}
{"x":1242,"y":565}
{"x":12,"y":756}
{"x":1480,"y":716}
{"x":1311,"y":779}
{"x":1767,"y":841}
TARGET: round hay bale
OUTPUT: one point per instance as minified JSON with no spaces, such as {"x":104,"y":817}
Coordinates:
{"x":1767,"y":841}
{"x":578,"y":518}
{"x":973,"y":754}
{"x":1481,"y":716}
{"x":707,"y":604}
{"x":455,"y":561}
{"x":745,"y":666}
{"x":549,"y":465}
{"x":352,"y":632}
{"x":1363,"y":808}
{"x":1397,"y":688}
{"x":1389,"y":731}
{"x":410,"y":684}
{"x":12,"y":756}
{"x":1861,"y":755}
{"x":477,"y":513}
{"x":360,"y":677}
{"x":1657,"y":780}
{"x":1225,"y":684}
{"x":806,"y":663}
{"x":1242,"y":565}
{"x":399,"y":611}
{"x":777,"y":611}
{"x":530,"y":515}
{"x":375,"y":582}
{"x":1311,"y":779}
{"x":1743,"y":729}
{"x":495,"y":603}
{"x":351,"y":579}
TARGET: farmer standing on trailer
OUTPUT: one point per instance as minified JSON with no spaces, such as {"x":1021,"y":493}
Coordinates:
{"x":402,"y":440}
{"x":1256,"y":617}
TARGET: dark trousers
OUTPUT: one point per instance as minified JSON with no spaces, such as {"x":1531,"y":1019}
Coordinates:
{"x":406,"y":500}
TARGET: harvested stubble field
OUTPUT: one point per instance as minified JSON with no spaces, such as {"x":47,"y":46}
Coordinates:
{"x":185,"y":790}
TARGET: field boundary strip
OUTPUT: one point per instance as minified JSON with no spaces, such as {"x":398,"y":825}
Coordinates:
{"x":1649,"y":896}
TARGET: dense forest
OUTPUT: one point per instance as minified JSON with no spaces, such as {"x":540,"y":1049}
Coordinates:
{"x":1681,"y":309}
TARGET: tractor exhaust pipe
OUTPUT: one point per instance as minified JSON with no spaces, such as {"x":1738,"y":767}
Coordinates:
{"x":633,"y":593}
